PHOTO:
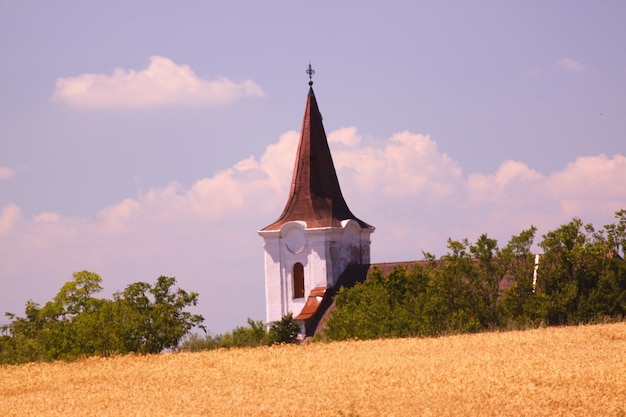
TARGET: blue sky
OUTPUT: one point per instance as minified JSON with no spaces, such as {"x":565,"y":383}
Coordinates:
{"x":155,"y":138}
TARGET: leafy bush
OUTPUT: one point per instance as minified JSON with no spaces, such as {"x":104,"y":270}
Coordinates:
{"x":476,"y":287}
{"x":142,"y":319}
{"x":255,"y":334}
{"x":284,"y":331}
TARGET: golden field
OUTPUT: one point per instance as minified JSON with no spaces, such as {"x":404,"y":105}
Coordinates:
{"x":569,"y":371}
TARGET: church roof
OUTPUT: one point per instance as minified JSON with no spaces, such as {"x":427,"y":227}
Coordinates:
{"x":315,"y":196}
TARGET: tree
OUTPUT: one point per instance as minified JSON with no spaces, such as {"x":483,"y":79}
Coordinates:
{"x":51,"y":332}
{"x":406,"y":302}
{"x":152,"y":319}
{"x":285,"y":331}
{"x":23,"y":339}
{"x":75,"y":296}
{"x":365,"y":310}
{"x":616,"y":235}
{"x":479,"y":286}
{"x":255,"y":334}
{"x":143,"y":319}
{"x":457,"y":280}
{"x":520,"y":261}
{"x":582,"y":275}
{"x":490,"y":269}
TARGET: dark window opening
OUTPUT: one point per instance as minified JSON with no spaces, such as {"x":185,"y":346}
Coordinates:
{"x":298,"y":281}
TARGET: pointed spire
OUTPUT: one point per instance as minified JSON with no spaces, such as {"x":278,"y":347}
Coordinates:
{"x":315,"y":196}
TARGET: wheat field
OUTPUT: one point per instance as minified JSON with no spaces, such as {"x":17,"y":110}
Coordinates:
{"x":570,"y":371}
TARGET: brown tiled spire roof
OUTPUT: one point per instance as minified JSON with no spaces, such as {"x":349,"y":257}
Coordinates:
{"x":315,"y":195}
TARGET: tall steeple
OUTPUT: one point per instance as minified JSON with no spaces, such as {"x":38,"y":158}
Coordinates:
{"x":316,"y":237}
{"x":315,"y":196}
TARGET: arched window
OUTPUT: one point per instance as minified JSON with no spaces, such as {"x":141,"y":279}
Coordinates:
{"x":298,"y":280}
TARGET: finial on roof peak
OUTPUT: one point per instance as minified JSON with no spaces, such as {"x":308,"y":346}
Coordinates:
{"x":310,"y":71}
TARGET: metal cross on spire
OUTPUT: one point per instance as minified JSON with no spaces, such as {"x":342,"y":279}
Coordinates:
{"x":310,"y":71}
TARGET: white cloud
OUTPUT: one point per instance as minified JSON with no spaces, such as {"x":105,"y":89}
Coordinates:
{"x":48,"y":217}
{"x":407,"y":164}
{"x":6,"y":173}
{"x":9,"y":217}
{"x":277,"y":162}
{"x":345,"y":135}
{"x":511,"y":175}
{"x":407,"y":169}
{"x":414,"y":194}
{"x":569,"y":64}
{"x":162,"y":83}
{"x":587,"y":182}
{"x":114,"y":219}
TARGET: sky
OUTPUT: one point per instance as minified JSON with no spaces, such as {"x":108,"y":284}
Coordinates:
{"x":149,"y":138}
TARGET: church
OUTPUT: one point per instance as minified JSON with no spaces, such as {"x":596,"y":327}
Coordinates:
{"x":317,"y":244}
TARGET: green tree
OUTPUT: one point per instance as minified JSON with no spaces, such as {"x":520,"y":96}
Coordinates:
{"x":255,"y":334}
{"x":50,"y":332}
{"x":284,"y":331}
{"x":405,"y":302}
{"x":153,"y":318}
{"x":616,"y":235}
{"x":582,"y":272}
{"x":143,"y":319}
{"x":473,"y":287}
{"x":23,"y":339}
{"x":75,"y":296}
{"x":97,"y":330}
{"x":252,"y":335}
{"x":520,"y":261}
{"x":490,"y":267}
{"x":362,"y":311}
{"x":195,"y":342}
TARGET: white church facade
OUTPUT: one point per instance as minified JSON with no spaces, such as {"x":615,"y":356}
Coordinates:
{"x":317,"y":237}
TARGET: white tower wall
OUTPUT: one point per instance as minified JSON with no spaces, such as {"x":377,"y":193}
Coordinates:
{"x":324,"y":253}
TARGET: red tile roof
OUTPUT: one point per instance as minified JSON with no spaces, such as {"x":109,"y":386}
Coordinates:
{"x":315,"y":195}
{"x":312,"y":303}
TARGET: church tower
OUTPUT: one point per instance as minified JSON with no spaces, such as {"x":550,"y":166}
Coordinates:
{"x":317,"y":236}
